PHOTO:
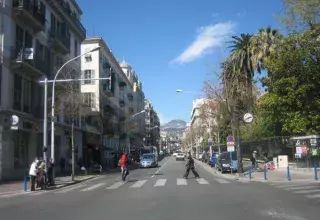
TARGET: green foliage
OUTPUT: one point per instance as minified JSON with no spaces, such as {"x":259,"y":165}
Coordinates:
{"x":301,"y":14}
{"x":294,"y":84}
{"x":261,"y":127}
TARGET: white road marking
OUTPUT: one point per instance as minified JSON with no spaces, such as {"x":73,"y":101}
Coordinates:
{"x":160,"y":182}
{"x":116,"y":185}
{"x":307,"y":191}
{"x":38,"y":193}
{"x":300,"y":187}
{"x":313,"y":196}
{"x":138,"y":184}
{"x":13,"y":195}
{"x":202,"y":181}
{"x":70,"y":189}
{"x":221,"y":180}
{"x":160,"y":168}
{"x":181,"y":182}
{"x":93,"y":187}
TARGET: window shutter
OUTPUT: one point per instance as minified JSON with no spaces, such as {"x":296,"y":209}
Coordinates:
{"x":82,"y":77}
{"x":92,"y":76}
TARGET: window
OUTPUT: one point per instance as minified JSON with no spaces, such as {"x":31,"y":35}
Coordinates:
{"x":88,"y":74}
{"x":88,"y":99}
{"x":21,"y":140}
{"x":22,"y":94}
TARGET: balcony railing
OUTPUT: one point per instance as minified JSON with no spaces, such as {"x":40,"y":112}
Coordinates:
{"x":121,"y":103}
{"x":29,"y":13}
{"x":71,"y":15}
{"x":29,"y":62}
{"x":59,"y":42}
{"x":130,"y":96}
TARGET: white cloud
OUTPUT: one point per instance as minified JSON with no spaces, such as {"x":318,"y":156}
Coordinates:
{"x":208,"y":37}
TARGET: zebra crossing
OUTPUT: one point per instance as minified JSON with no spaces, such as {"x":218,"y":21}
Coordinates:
{"x":310,"y":190}
{"x":133,"y":184}
{"x":140,"y":184}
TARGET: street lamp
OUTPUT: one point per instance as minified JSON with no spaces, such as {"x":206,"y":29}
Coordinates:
{"x":53,"y":103}
{"x":132,"y":117}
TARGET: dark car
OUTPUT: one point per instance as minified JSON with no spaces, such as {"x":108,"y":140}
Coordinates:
{"x":227,"y":162}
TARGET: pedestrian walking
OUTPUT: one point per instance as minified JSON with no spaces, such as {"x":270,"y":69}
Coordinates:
{"x":190,"y":166}
{"x":123,"y":162}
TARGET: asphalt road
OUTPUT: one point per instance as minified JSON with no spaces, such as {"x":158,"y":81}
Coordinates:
{"x":160,"y":193}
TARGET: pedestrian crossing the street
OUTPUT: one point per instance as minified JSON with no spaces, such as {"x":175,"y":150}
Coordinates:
{"x":308,"y":190}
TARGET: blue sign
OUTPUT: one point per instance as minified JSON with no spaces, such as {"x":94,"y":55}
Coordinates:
{"x":230,"y":139}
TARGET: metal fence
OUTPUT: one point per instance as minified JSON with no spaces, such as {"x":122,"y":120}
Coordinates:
{"x":269,"y":148}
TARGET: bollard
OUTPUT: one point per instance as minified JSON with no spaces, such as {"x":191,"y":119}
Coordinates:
{"x":265,"y":172}
{"x":288,"y":173}
{"x":250,"y":172}
{"x":25,"y":183}
{"x":316,"y":172}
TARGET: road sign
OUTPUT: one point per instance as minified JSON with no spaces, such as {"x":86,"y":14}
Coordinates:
{"x":230,"y":139}
{"x":210,"y":142}
{"x":230,"y":144}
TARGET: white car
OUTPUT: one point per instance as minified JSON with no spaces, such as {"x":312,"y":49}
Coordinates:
{"x":174,"y":154}
{"x":180,"y":156}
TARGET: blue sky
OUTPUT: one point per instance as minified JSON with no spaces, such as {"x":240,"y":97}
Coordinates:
{"x":174,"y":44}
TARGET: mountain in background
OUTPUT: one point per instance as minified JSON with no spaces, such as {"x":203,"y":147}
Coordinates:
{"x":174,"y":126}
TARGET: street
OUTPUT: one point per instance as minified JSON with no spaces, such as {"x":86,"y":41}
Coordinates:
{"x":161,"y":193}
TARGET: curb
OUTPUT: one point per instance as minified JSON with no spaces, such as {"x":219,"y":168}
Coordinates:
{"x":59,"y":186}
{"x":217,"y":173}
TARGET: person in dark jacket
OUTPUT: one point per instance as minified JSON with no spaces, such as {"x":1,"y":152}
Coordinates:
{"x":190,"y":166}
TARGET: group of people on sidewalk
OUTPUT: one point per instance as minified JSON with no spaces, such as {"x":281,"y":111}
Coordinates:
{"x":41,"y":174}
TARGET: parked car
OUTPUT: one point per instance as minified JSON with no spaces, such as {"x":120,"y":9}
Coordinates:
{"x":213,"y":159}
{"x":227,"y":162}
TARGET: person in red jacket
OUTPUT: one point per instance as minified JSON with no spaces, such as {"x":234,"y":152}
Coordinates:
{"x":124,"y":166}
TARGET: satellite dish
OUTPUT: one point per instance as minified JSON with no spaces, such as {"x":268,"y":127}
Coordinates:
{"x":248,"y":118}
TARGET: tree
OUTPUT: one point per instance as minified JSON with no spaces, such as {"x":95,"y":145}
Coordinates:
{"x":294,"y":84}
{"x":70,"y":103}
{"x":301,"y":14}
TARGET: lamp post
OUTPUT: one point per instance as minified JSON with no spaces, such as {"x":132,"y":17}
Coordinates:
{"x":132,"y":117}
{"x":46,"y":81}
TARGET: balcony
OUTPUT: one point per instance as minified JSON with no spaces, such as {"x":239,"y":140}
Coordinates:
{"x":25,"y":61}
{"x":64,"y":10}
{"x":110,"y":129}
{"x":130,"y":97}
{"x":59,"y":42}
{"x":122,"y":84}
{"x":25,"y":11}
{"x":106,"y":66}
{"x":107,"y":88}
{"x":121,"y":103}
{"x":108,"y":110}
{"x":131,"y":110}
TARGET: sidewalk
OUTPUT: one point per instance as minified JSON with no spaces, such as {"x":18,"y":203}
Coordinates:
{"x":60,"y":182}
{"x":17,"y":187}
{"x":280,"y":175}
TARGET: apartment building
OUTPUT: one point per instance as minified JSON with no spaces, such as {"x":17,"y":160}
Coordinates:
{"x":37,"y":37}
{"x":152,"y":123}
{"x":113,"y":119}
